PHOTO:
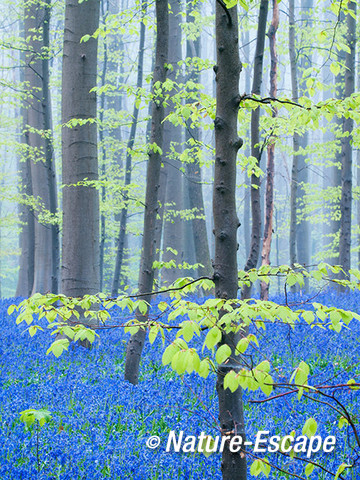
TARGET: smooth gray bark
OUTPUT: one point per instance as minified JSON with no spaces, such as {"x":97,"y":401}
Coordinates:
{"x":173,"y":226}
{"x":294,"y":169}
{"x":27,"y":235}
{"x":303,"y":233}
{"x":128,"y":165}
{"x":146,"y":272}
{"x":193,"y":174}
{"x":255,"y":242}
{"x":80,"y":241}
{"x":270,"y":170}
{"x":346,"y":150}
{"x":246,"y":226}
{"x":38,"y":148}
{"x":49,"y":150}
{"x":104,"y":12}
{"x":26,"y":216}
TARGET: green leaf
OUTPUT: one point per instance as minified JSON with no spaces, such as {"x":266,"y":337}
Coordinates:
{"x":256,"y":468}
{"x":58,"y":347}
{"x":153,"y":333}
{"x":342,"y":422}
{"x":253,"y":276}
{"x":30,"y":415}
{"x":32,"y":330}
{"x":242,"y":345}
{"x":310,"y":427}
{"x":340,"y":469}
{"x":204,"y":368}
{"x":11,"y":309}
{"x":143,"y":307}
{"x":264,"y":366}
{"x":223,"y":353}
{"x":309,"y":468}
{"x":231,"y":381}
{"x":85,"y":38}
{"x":309,"y":317}
{"x":168,"y":354}
{"x":207,"y":441}
{"x":213,"y":337}
{"x":186,"y":112}
{"x":335,"y":68}
{"x":265,"y":467}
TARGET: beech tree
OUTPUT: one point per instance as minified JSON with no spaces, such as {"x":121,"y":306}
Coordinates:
{"x":38,"y":171}
{"x":270,"y":170}
{"x":294,"y":169}
{"x":149,"y":246}
{"x":346,"y":148}
{"x":80,"y":239}
{"x":226,"y":222}
{"x":256,"y":151}
{"x":128,"y":162}
{"x":193,"y":170}
{"x":173,"y":226}
{"x":27,"y":237}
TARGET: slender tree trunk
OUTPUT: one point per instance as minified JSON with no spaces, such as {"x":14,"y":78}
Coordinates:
{"x":331,"y":225}
{"x":104,"y":13}
{"x":161,"y":199}
{"x":194,"y":179}
{"x":226,"y":222}
{"x":303,"y":234}
{"x":335,"y":170}
{"x":38,"y":151}
{"x":49,"y":151}
{"x":173,"y":225}
{"x":80,"y":242}
{"x":27,"y":236}
{"x":331,"y":174}
{"x":201,"y":244}
{"x":294,"y":169}
{"x":255,"y":148}
{"x":269,"y":200}
{"x":160,"y":221}
{"x":247,"y":207}
{"x":346,"y":150}
{"x":146,"y":273}
{"x":128,"y":166}
{"x":26,"y":216}
{"x":115,"y":69}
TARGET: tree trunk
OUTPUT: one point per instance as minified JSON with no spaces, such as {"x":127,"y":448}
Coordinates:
{"x":80,"y":242}
{"x":26,"y":216}
{"x":255,"y":148}
{"x":193,"y":173}
{"x":173,"y":225}
{"x":331,"y":174}
{"x":38,"y":148}
{"x":104,"y":13}
{"x":246,"y":216}
{"x":128,"y":166}
{"x":346,"y":150}
{"x":49,"y":151}
{"x":146,"y":273}
{"x":294,"y":170}
{"x":27,"y":235}
{"x":226,"y":222}
{"x":269,"y":200}
{"x":303,"y":237}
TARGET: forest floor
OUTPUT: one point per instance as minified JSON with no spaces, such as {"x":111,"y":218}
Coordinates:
{"x":100,"y":423}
